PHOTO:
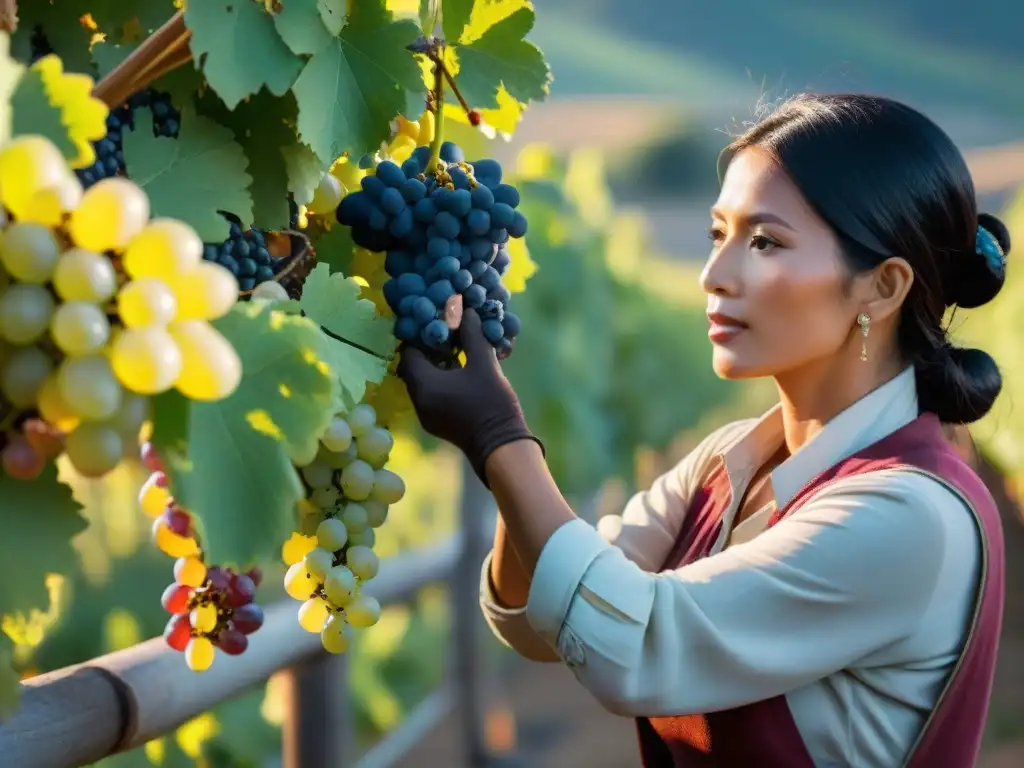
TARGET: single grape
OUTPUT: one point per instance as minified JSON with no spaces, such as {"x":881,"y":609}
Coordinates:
{"x":205,"y":293}
{"x":241,"y":590}
{"x":296,"y":548}
{"x":199,"y":654}
{"x":147,"y":301}
{"x":28,"y":164}
{"x":170,"y":543}
{"x":318,"y":475}
{"x":146,"y":360}
{"x":336,"y":636}
{"x":79,"y":328}
{"x":338,"y":436}
{"x":411,"y":284}
{"x":45,"y":440}
{"x":312,"y":614}
{"x":435,"y":333}
{"x":375,"y":446}
{"x":89,"y":387}
{"x":363,"y":612}
{"x":25,"y":313}
{"x":390,"y":174}
{"x":190,"y":571}
{"x":29,"y":252}
{"x":339,"y":459}
{"x":407,"y":329}
{"x":298,"y":582}
{"x":232,"y":641}
{"x":211,"y":368}
{"x":270,"y":290}
{"x":49,"y":205}
{"x":361,"y":419}
{"x":474,"y":296}
{"x":355,"y":517}
{"x":130,"y":417}
{"x":23,"y":375}
{"x":492,"y":330}
{"x":111,"y":213}
{"x":94,"y":449}
{"x":52,"y":406}
{"x":325,"y":498}
{"x":357,"y":480}
{"x":376,"y":512}
{"x":439,"y":292}
{"x":175,"y":598}
{"x":248,"y":618}
{"x":332,"y":534}
{"x":154,"y":498}
{"x":511,"y":325}
{"x":150,"y":458}
{"x":304,"y":454}
{"x":21,"y":461}
{"x":327,"y":195}
{"x":178,"y":520}
{"x":219,"y":578}
{"x":388,"y":487}
{"x":507,"y":194}
{"x":163,"y":249}
{"x":340,"y":586}
{"x":423,"y":311}
{"x":319,"y":561}
{"x":363,"y":562}
{"x":178,"y":632}
{"x":204,"y":618}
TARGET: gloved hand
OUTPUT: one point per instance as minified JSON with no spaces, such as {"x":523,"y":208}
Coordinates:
{"x":473,"y":407}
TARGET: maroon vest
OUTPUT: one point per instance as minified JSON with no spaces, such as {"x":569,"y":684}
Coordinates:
{"x":763,"y":733}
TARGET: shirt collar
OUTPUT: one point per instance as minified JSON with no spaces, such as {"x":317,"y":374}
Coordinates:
{"x":875,"y":416}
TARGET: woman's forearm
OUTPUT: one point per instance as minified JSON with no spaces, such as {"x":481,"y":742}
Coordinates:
{"x":510,"y":582}
{"x":532,"y":509}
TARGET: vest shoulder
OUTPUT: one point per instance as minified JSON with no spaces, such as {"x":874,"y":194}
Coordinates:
{"x":702,"y":458}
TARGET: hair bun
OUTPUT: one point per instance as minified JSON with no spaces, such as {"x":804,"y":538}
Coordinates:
{"x":985,"y":270}
{"x":958,"y":384}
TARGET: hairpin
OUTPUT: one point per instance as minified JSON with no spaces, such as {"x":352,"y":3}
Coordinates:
{"x":985,"y":244}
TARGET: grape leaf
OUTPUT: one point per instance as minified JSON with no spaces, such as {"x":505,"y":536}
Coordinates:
{"x":10,"y":690}
{"x":117,"y":18}
{"x":502,"y":57}
{"x":333,"y":13}
{"x":106,"y":56}
{"x":332,"y":300}
{"x":354,"y":369}
{"x":455,"y":16}
{"x":334,"y":247}
{"x":350,"y":91}
{"x":62,"y":28}
{"x":304,"y":169}
{"x":302,"y":27}
{"x":32,"y":112}
{"x":240,"y":49}
{"x":40,"y":518}
{"x":192,"y":177}
{"x":234,"y":471}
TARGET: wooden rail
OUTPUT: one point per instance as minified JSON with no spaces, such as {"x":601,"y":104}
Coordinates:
{"x":80,"y":714}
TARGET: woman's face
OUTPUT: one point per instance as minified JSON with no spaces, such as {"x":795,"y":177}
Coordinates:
{"x":775,"y":281}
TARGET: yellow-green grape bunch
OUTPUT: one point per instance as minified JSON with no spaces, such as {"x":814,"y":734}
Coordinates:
{"x":331,"y":557}
{"x":100,"y":308}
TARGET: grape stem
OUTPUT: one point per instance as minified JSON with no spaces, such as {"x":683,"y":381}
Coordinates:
{"x":438,"y":98}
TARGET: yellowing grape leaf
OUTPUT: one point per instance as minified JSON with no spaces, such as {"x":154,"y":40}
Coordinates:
{"x":192,"y":177}
{"x":304,"y":170}
{"x":230,"y":464}
{"x":40,"y":518}
{"x":240,"y":49}
{"x":520,"y":269}
{"x":502,"y":57}
{"x":10,"y":690}
{"x":486,"y":13}
{"x":351,"y":90}
{"x":333,"y":302}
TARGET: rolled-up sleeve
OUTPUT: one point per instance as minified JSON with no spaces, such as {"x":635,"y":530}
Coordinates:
{"x":643,"y":534}
{"x":850,"y":572}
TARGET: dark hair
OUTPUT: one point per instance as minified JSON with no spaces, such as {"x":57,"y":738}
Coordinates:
{"x":890,"y":182}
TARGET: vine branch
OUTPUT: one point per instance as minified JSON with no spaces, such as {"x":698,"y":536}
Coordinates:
{"x":163,"y":51}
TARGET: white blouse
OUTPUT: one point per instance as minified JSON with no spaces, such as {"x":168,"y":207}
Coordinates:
{"x":855,"y":606}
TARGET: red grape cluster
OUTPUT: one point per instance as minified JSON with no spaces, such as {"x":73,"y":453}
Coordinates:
{"x":210,"y":607}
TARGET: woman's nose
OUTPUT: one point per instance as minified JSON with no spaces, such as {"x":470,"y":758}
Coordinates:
{"x":721,"y":274}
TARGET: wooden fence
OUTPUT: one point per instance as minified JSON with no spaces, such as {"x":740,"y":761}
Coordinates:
{"x":83,"y":713}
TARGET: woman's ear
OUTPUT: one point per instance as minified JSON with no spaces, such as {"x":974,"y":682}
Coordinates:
{"x":887,"y":287}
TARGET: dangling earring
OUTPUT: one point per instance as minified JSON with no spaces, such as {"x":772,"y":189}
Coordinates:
{"x":864,"y":321}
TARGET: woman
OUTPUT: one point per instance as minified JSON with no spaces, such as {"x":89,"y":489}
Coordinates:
{"x":820,"y":586}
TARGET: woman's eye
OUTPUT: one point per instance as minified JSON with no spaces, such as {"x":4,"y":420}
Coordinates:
{"x":715,"y":235}
{"x":762,"y":243}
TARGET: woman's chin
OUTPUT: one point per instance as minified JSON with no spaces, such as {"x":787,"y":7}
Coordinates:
{"x":728,"y":365}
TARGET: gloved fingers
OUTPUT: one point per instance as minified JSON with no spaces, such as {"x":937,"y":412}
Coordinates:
{"x":415,"y":370}
{"x":478,"y":349}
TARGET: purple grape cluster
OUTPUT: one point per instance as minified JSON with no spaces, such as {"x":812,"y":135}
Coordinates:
{"x":445,"y":233}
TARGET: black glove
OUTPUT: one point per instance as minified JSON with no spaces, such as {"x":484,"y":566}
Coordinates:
{"x":473,"y":407}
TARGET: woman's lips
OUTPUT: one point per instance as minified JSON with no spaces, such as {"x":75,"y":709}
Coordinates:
{"x":723,"y":328}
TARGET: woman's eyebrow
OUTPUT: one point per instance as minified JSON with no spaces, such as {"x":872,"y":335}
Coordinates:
{"x":763,"y":217}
